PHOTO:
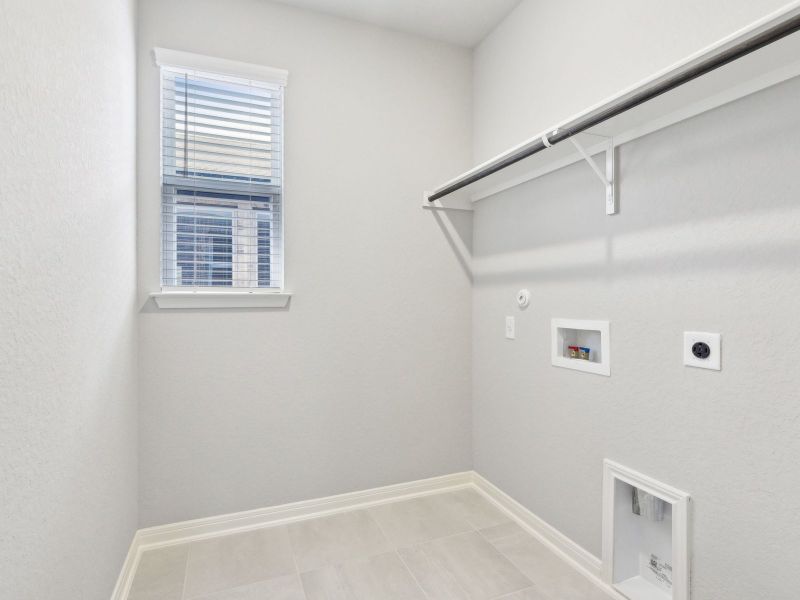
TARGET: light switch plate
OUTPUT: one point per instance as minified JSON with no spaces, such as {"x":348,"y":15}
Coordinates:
{"x":510,"y":328}
{"x":714,"y":341}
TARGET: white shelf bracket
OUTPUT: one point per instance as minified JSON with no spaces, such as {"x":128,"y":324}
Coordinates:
{"x":608,"y":178}
{"x":436,"y":205}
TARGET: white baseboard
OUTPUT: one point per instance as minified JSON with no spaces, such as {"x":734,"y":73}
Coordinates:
{"x":125,"y":578}
{"x":178,"y":533}
{"x":198,"y":529}
{"x":576,"y":555}
{"x":569,"y":551}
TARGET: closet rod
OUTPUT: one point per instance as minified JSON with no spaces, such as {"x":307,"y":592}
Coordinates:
{"x":670,"y":82}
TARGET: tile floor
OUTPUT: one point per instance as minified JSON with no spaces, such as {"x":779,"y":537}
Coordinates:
{"x":450,"y":546}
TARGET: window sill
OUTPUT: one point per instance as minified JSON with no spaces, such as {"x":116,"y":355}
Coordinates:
{"x":193,"y":299}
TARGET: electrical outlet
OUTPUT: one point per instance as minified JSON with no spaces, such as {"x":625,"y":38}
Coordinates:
{"x":702,"y":350}
{"x":510,"y":328}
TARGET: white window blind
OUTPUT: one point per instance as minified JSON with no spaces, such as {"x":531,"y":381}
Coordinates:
{"x":221,"y":188}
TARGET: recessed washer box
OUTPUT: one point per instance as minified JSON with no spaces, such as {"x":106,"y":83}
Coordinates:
{"x":645,"y":536}
{"x":583,"y":334}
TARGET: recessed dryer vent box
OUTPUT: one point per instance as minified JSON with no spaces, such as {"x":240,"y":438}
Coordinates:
{"x":645,"y":536}
{"x":591,"y":336}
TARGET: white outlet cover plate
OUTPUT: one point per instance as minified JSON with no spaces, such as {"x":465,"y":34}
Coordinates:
{"x":714,"y":341}
{"x":511,"y":332}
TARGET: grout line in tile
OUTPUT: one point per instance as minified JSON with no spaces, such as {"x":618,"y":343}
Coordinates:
{"x":491,"y":543}
{"x":510,"y":560}
{"x":437,"y":565}
{"x":378,"y":525}
{"x":294,"y":562}
{"x":466,"y":519}
{"x":414,"y":577}
{"x":480,"y":533}
{"x":291,"y":551}
{"x":444,"y":537}
{"x":471,"y":522}
{"x":457,"y":582}
{"x":530,"y":587}
{"x":386,"y":537}
{"x":503,"y":554}
{"x":534,"y":584}
{"x":550,"y":552}
{"x":303,"y":587}
{"x":397,"y":554}
{"x":185,"y":571}
{"x":477,"y":528}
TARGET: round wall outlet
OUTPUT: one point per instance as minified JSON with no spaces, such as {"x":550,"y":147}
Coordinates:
{"x":701,"y":350}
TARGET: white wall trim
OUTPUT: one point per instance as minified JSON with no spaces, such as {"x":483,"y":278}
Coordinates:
{"x":198,"y":529}
{"x":125,"y":578}
{"x":226,"y":299}
{"x":212,"y":64}
{"x":177,"y":533}
{"x":572,"y":553}
{"x":576,"y":555}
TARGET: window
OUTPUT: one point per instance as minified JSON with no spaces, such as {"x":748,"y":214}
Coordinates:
{"x":221,"y":179}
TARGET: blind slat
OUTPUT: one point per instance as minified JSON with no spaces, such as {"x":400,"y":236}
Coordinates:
{"x":176,"y":98}
{"x":172,"y":148}
{"x":258,"y":144}
{"x":262,"y":125}
{"x":202,"y":107}
{"x":223,"y":158}
{"x":221,"y":181}
{"x":223,"y":89}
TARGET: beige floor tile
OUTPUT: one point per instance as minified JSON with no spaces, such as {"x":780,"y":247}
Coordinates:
{"x":437,"y":582}
{"x":381,"y":577}
{"x":478,"y":568}
{"x":501,"y":531}
{"x":348,"y":557}
{"x":288,"y":587}
{"x":336,"y":539}
{"x":325,"y":584}
{"x":478,"y":511}
{"x":420,"y":519}
{"x":549,"y":574}
{"x":236,"y":560}
{"x":160,"y":574}
{"x":528,"y":594}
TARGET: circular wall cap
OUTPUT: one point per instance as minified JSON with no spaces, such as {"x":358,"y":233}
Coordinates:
{"x":523,"y":298}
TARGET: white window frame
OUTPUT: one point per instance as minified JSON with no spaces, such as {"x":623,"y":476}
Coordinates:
{"x":232,"y":297}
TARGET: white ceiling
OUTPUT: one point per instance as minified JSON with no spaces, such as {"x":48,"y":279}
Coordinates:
{"x":461,"y":22}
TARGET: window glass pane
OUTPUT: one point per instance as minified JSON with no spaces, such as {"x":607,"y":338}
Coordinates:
{"x":221,"y":181}
{"x":205,"y":247}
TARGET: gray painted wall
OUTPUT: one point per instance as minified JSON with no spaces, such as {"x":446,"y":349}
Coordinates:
{"x":707,"y":239}
{"x":67,"y":294}
{"x":365,"y":379}
{"x":549,"y":60}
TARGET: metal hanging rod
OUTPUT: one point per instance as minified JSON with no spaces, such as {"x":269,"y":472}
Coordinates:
{"x":691,"y":71}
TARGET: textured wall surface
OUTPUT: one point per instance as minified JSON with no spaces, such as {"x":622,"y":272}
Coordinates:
{"x":67,"y":297}
{"x":365,"y":379}
{"x":530,"y":75}
{"x":707,"y":239}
